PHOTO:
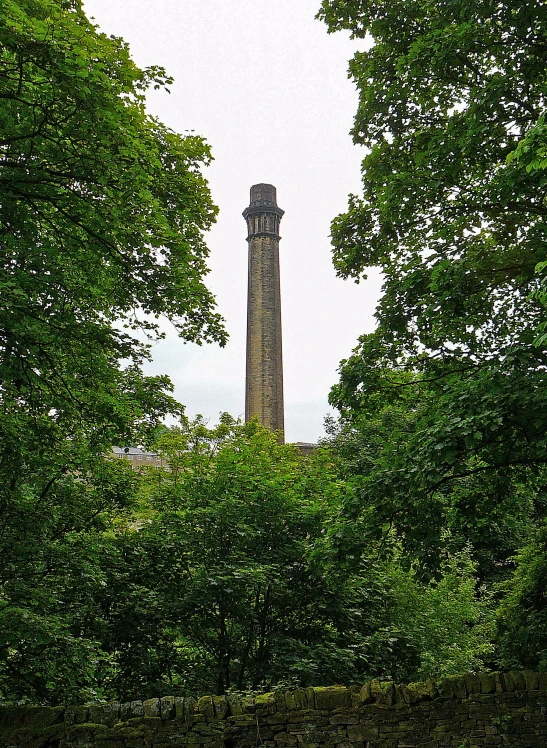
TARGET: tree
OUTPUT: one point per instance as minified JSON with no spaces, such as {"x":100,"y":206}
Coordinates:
{"x":451,"y":102}
{"x":228,"y":567}
{"x":102,"y":214}
{"x":522,"y":615}
{"x":228,"y":593}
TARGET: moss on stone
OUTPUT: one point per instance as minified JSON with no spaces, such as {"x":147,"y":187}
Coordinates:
{"x":205,"y":707}
{"x":365,"y":694}
{"x":189,"y":706}
{"x":151,"y":708}
{"x":265,"y":702}
{"x":332,"y":697}
{"x":167,"y":707}
{"x":221,"y":707}
{"x":86,"y":727}
{"x":419,"y":691}
{"x":387,"y":694}
{"x":234,"y":704}
{"x":518,"y":680}
{"x":487,"y":683}
{"x":531,"y":680}
{"x":401,"y":714}
{"x":42,"y":716}
{"x":290,"y":701}
{"x":472,"y":683}
{"x":457,"y":686}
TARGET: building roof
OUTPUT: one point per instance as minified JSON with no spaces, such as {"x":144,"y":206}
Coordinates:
{"x":132,"y":451}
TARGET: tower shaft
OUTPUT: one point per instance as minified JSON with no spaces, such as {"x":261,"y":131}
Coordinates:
{"x":264,"y":380}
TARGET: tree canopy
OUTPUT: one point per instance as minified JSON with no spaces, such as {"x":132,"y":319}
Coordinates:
{"x":102,"y":215}
{"x":224,"y":564}
{"x":443,"y":415}
{"x":451,"y":96}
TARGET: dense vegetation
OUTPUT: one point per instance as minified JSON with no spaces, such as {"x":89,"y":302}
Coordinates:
{"x":444,"y":413}
{"x":413,"y":542}
{"x":102,"y":214}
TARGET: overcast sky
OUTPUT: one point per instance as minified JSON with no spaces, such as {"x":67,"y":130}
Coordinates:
{"x":267,"y":87}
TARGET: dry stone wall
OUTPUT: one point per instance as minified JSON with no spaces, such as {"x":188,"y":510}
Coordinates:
{"x":494,"y":709}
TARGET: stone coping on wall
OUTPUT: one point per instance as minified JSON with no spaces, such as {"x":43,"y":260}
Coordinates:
{"x":336,"y":708}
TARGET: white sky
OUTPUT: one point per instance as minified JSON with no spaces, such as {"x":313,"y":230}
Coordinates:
{"x":267,"y":87}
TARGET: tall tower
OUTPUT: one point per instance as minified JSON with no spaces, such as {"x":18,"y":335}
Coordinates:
{"x":264,"y":383}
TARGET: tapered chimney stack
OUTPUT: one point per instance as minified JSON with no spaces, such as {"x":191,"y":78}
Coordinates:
{"x":264,"y":381}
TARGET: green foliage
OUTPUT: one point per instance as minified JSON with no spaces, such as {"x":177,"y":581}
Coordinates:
{"x":412,"y":475}
{"x":451,"y":385}
{"x":246,"y":563}
{"x":226,"y":592}
{"x":445,"y":622}
{"x":102,"y":214}
{"x":522,"y":614}
{"x":223,"y":579}
{"x":443,"y":407}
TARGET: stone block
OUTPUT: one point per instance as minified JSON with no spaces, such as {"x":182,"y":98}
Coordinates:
{"x":290,"y":701}
{"x":277,"y":719}
{"x":542,"y":681}
{"x":365,"y":694}
{"x":125,"y":711}
{"x":99,"y":714}
{"x":302,"y":699}
{"x":376,"y":689}
{"x":416,"y":692}
{"x":518,"y":680}
{"x":205,"y":707}
{"x":343,"y":719}
{"x":221,"y":707}
{"x":280,"y":703}
{"x":332,"y":697}
{"x":113,"y":713}
{"x":167,"y":707}
{"x":42,"y":716}
{"x":137,"y":709}
{"x":293,"y":718}
{"x":432,"y":688}
{"x":359,"y":733}
{"x":283,"y":738}
{"x":459,"y":689}
{"x":497,"y":682}
{"x":446,"y":688}
{"x":189,"y":706}
{"x":310,"y":697}
{"x":487,"y":683}
{"x":472,"y":683}
{"x":387,"y":694}
{"x":151,"y":708}
{"x":179,"y":707}
{"x":248,"y":705}
{"x":265,"y":703}
{"x":531,"y":679}
{"x":76,"y":714}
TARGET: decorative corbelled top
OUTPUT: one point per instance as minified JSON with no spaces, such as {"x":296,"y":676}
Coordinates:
{"x":263,"y":214}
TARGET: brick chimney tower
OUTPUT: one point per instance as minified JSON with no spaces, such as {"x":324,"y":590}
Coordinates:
{"x":264,"y":382}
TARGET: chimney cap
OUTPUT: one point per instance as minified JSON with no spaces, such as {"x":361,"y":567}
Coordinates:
{"x":263,"y":194}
